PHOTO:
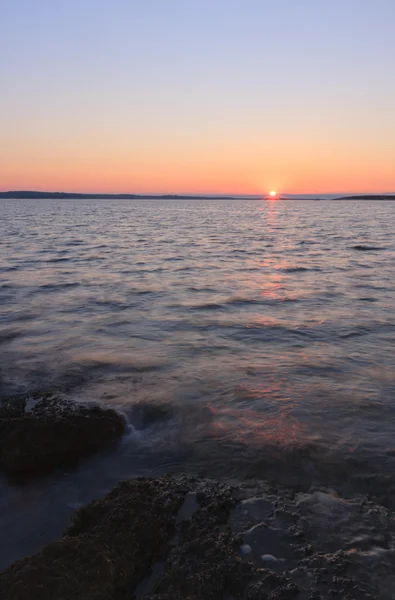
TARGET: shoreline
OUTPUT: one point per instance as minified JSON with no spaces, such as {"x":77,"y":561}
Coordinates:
{"x":37,"y":195}
{"x":178,"y":537}
{"x":184,"y":536}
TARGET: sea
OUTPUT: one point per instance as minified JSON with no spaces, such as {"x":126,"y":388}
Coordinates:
{"x":241,"y":339}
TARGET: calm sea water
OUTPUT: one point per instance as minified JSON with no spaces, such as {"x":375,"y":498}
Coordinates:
{"x":241,"y":338}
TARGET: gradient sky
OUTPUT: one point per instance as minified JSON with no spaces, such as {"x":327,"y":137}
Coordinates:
{"x":197,"y":96}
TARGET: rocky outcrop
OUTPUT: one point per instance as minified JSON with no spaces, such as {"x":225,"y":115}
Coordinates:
{"x":108,"y":548}
{"x":163,"y":539}
{"x":181,"y":538}
{"x":40,"y":433}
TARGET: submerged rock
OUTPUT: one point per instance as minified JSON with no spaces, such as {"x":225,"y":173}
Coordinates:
{"x":40,"y":433}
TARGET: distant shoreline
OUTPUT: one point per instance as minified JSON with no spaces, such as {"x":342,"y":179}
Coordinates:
{"x":27,"y":194}
{"x":81,"y":196}
{"x":368,"y":197}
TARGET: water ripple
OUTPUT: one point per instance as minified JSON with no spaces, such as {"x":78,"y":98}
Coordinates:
{"x":268,"y":326}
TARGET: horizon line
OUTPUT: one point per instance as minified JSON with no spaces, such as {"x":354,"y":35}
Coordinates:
{"x":195,"y":194}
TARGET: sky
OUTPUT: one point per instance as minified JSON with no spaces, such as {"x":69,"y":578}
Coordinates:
{"x":197,"y":96}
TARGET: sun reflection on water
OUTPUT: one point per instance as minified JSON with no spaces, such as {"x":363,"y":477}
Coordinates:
{"x":260,"y":418}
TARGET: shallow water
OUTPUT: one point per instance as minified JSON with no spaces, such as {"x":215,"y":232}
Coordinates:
{"x":266,"y":329}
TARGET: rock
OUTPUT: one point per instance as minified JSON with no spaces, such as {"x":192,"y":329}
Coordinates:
{"x":107,"y":550}
{"x":40,"y":433}
{"x":205,"y":563}
{"x":132,"y":545}
{"x":178,"y":538}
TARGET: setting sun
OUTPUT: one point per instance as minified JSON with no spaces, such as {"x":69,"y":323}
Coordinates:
{"x":272,"y":193}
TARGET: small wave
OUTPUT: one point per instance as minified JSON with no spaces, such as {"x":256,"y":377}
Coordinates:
{"x":294,"y":269}
{"x":91,"y":362}
{"x":155,"y":270}
{"x":274,"y":331}
{"x":363,"y":248}
{"x":208,"y":306}
{"x":8,"y":336}
{"x":236,"y":303}
{"x":56,"y":260}
{"x":112,"y":305}
{"x":83,"y":259}
{"x":60,"y":286}
{"x":194,"y":288}
{"x":355,"y":333}
{"x":240,"y":302}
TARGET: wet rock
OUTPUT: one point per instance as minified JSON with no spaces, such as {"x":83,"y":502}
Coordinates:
{"x":250,"y":512}
{"x":333,"y":523}
{"x":184,"y":538}
{"x":205,"y":563}
{"x":273,"y":544}
{"x":271,"y":587}
{"x":133,"y":545}
{"x":40,"y":433}
{"x":107,"y":550}
{"x":326,"y":545}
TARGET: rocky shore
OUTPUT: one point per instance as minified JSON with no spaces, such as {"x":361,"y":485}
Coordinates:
{"x":178,"y":538}
{"x":188,"y":538}
{"x":40,"y":433}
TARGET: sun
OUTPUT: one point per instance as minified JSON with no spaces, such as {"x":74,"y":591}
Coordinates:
{"x":272,"y":193}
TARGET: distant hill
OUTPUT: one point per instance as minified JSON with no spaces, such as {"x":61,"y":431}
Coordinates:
{"x":368,"y":197}
{"x":21,"y":194}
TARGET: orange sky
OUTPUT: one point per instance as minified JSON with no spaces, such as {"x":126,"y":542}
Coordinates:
{"x":245,"y":166}
{"x":198,"y":97}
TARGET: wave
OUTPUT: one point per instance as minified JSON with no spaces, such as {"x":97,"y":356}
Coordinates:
{"x":295,"y":269}
{"x":55,"y":287}
{"x":240,"y":302}
{"x":208,"y":306}
{"x":363,"y":248}
{"x":60,"y":259}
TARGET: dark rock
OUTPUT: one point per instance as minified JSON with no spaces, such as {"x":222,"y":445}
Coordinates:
{"x":205,"y":563}
{"x":272,"y":587}
{"x":113,"y":545}
{"x":40,"y":433}
{"x":181,"y":538}
{"x":108,"y":549}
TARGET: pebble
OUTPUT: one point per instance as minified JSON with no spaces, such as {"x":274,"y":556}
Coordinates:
{"x":269,"y":557}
